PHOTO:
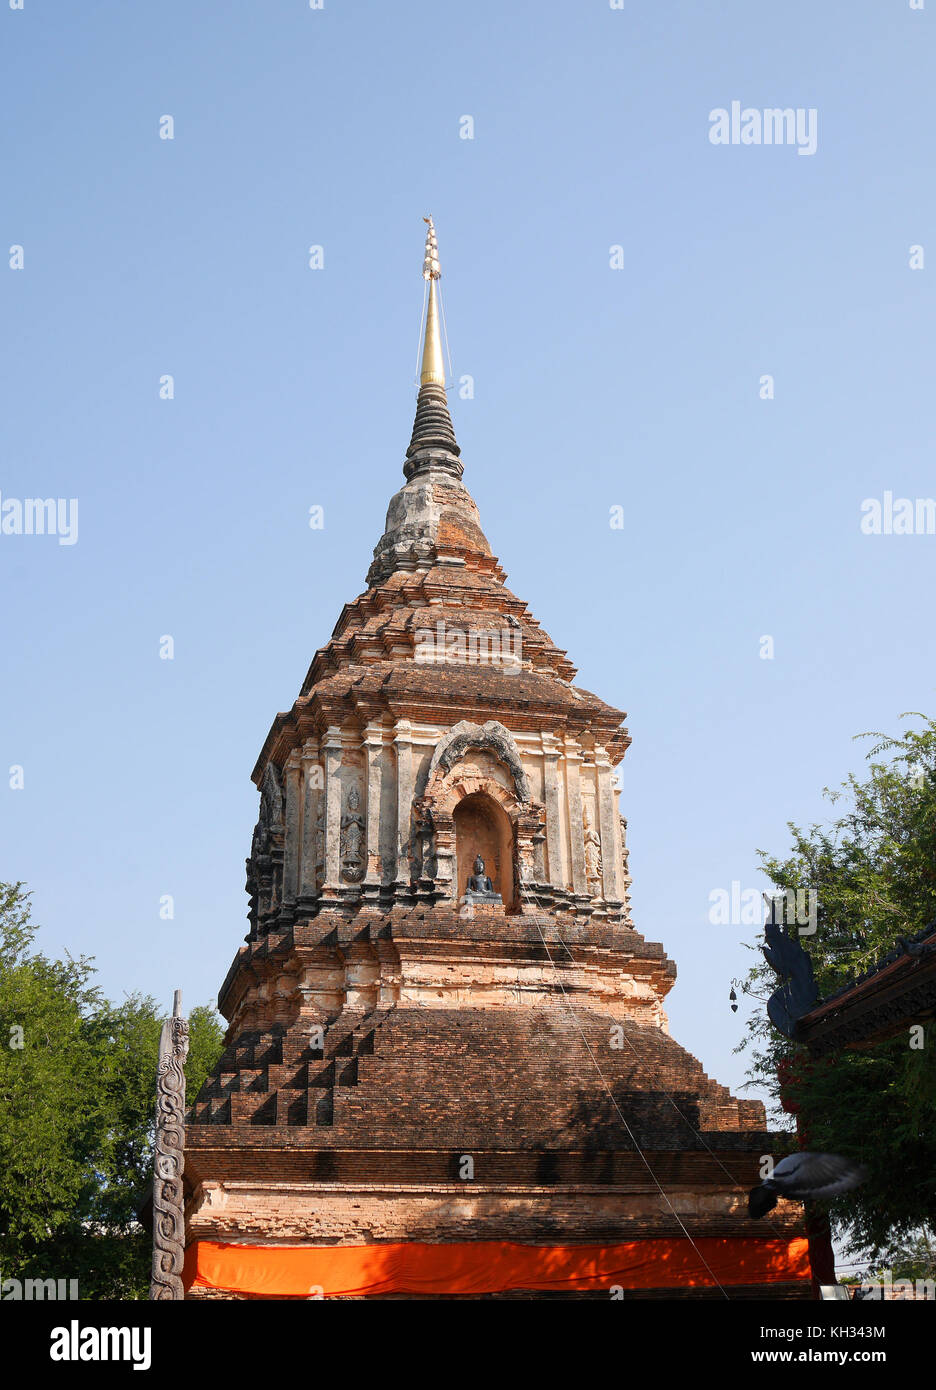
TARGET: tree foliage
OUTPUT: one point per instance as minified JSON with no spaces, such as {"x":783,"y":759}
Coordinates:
{"x":874,"y":870}
{"x":77,"y":1098}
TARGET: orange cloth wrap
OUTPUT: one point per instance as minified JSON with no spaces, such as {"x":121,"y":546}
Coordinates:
{"x":490,"y":1266}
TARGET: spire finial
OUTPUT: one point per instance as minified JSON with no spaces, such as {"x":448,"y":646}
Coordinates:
{"x":431,"y":269}
{"x":432,"y":372}
{"x":432,"y":446}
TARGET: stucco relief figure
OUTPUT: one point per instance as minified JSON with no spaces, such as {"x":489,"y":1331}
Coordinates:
{"x":257,"y":849}
{"x":261,"y":879}
{"x":625,"y":853}
{"x":352,"y":839}
{"x":320,"y":850}
{"x":592,"y":855}
{"x":426,"y":863}
{"x":625,"y":860}
{"x":272,"y":800}
{"x":269,"y":821}
{"x":539,"y":857}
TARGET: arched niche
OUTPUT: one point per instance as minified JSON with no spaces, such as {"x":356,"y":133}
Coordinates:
{"x":482,"y":827}
{"x":483,"y":762}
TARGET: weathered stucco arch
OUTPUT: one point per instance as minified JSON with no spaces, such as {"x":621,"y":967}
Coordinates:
{"x":491,"y":737}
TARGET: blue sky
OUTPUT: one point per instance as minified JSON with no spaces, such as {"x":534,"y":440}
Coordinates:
{"x":594,"y":388}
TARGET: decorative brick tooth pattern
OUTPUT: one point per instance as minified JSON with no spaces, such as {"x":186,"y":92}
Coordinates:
{"x":476,"y":1078}
{"x":293,"y":1092}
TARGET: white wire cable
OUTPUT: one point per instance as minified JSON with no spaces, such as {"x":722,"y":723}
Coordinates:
{"x":640,"y":1152}
{"x":422,"y":321}
{"x":698,"y":1133}
{"x":445,"y":331}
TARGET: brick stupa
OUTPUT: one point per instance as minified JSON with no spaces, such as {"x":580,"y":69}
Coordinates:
{"x":440,"y":1080}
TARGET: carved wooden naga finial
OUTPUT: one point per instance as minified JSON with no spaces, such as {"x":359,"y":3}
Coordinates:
{"x":168,"y":1159}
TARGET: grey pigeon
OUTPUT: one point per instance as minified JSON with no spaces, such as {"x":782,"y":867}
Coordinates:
{"x":805,"y":1175}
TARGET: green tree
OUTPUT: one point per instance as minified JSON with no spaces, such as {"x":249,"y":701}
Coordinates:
{"x":874,"y":872}
{"x":913,"y":1257}
{"x":77,"y":1097}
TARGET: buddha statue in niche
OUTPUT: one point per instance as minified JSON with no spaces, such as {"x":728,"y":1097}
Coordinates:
{"x":480,"y":888}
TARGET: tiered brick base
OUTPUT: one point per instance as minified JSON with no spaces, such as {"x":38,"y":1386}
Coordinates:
{"x":496,"y":1121}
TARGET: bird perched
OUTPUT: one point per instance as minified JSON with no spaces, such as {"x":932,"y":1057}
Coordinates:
{"x":803,"y":1176}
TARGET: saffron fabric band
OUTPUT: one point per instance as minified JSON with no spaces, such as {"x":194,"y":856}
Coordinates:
{"x":491,"y":1266}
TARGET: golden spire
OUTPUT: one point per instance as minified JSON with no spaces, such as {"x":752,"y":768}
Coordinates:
{"x":432,"y":446}
{"x":433,"y":368}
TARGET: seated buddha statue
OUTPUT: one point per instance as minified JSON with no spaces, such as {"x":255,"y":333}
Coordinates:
{"x":478,"y":882}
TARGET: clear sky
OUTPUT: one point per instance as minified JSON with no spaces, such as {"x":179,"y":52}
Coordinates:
{"x":595,"y":387}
